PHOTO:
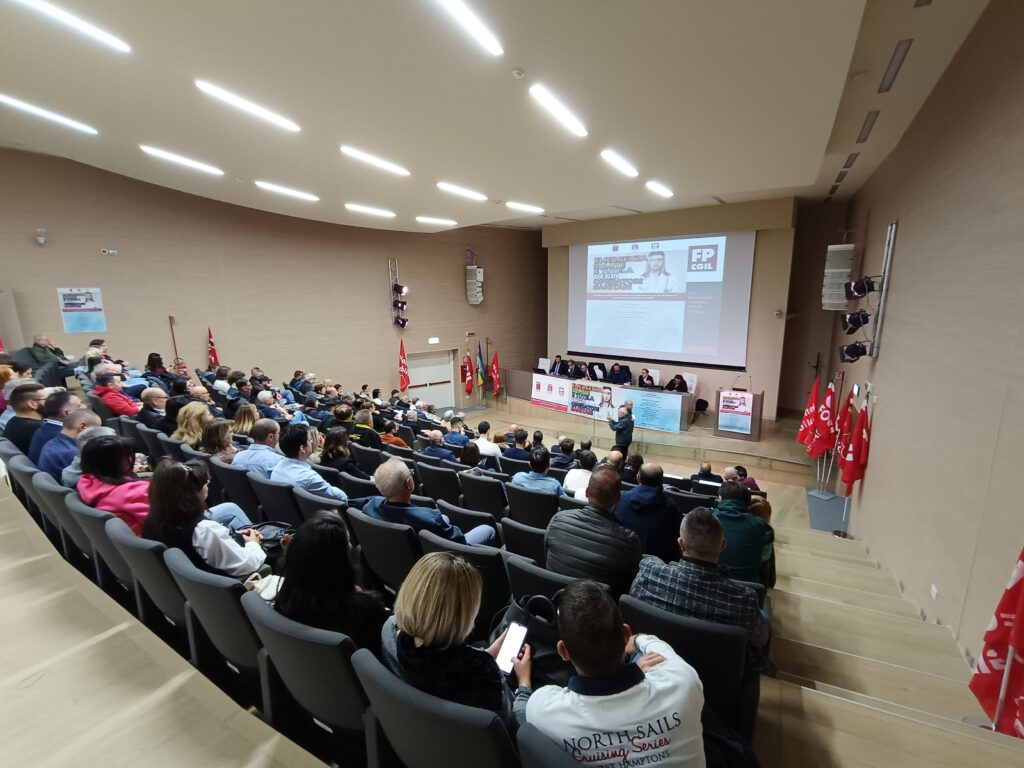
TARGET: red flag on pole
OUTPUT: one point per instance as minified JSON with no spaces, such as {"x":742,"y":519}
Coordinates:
{"x":495,"y":374}
{"x":857,"y":452}
{"x":824,"y":426}
{"x":1,"y":345}
{"x":211,"y":349}
{"x":403,"y":367}
{"x":468,"y":365}
{"x":998,"y":681}
{"x":845,"y":422}
{"x":806,"y":433}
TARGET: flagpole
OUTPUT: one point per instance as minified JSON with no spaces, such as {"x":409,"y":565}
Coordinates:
{"x":1010,"y":654}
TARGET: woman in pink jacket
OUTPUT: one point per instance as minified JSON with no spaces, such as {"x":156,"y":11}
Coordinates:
{"x":108,"y":482}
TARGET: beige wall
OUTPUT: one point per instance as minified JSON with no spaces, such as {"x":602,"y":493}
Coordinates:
{"x":279,"y":292}
{"x":773,"y":251}
{"x":941,"y":503}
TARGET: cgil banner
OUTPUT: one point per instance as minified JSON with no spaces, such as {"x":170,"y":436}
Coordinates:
{"x":652,"y":409}
{"x":81,"y":310}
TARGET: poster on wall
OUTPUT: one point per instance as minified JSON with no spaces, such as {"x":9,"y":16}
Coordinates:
{"x":735,"y":412}
{"x":81,"y":309}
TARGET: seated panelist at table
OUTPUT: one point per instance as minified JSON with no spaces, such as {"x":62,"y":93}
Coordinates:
{"x":677,"y":384}
{"x":645,"y":379}
{"x":579,"y":371}
{"x":617,"y":375}
{"x":558,"y":367}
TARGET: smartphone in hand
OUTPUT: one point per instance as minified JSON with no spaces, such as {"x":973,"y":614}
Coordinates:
{"x":511,"y":646}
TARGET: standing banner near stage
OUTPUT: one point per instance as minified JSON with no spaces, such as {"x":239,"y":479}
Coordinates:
{"x":652,"y":409}
{"x":735,"y":412}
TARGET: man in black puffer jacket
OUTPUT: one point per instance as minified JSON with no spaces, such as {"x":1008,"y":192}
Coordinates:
{"x":590,"y":543}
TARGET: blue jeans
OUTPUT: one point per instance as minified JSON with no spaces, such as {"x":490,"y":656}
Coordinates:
{"x":482,"y":534}
{"x":230,"y":515}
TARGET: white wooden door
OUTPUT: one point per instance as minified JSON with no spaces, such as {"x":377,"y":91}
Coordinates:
{"x":432,"y":378}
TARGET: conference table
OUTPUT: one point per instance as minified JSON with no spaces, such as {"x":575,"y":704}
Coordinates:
{"x":598,"y":400}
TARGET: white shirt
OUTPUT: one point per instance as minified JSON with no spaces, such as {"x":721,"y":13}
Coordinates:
{"x":216,"y":545}
{"x":659,"y":284}
{"x":220,"y":385}
{"x":657,"y":718}
{"x":487,"y":448}
{"x":575,"y":479}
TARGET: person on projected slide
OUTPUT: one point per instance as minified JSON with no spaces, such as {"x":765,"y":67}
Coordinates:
{"x":656,"y":279}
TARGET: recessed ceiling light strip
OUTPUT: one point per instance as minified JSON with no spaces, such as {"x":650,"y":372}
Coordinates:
{"x":77,"y":24}
{"x":379,"y":162}
{"x":470,"y":22}
{"x":619,"y":163}
{"x":658,"y":188}
{"x":46,"y":114}
{"x":247,"y":106}
{"x":558,"y":110}
{"x":454,"y":189}
{"x":437,"y":221}
{"x":370,"y":210}
{"x":270,"y":187}
{"x":525,"y":207}
{"x":188,"y":162}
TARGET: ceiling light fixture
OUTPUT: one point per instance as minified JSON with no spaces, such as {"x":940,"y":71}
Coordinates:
{"x":869,"y":124}
{"x":459,"y":11}
{"x":524,"y":207}
{"x":660,"y":189}
{"x":439,"y":222}
{"x":899,"y":55}
{"x":180,"y":160}
{"x":46,"y":114}
{"x":287,"y":191}
{"x":558,"y":110}
{"x":444,"y":186}
{"x":77,"y":24}
{"x":400,"y":289}
{"x":246,"y":106}
{"x":380,"y":162}
{"x":370,"y":210}
{"x":618,"y":162}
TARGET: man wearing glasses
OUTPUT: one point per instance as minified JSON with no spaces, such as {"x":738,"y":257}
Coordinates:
{"x":27,"y":403}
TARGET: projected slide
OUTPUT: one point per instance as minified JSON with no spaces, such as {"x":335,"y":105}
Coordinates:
{"x":680,"y":299}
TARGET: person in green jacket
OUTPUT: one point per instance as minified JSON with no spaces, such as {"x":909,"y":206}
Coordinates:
{"x":44,"y":351}
{"x":747,"y":536}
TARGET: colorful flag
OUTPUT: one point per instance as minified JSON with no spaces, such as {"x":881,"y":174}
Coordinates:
{"x":806,"y":433}
{"x":845,"y":422}
{"x":403,"y":367}
{"x":856,"y":453}
{"x":468,"y":365}
{"x":480,"y":367}
{"x":824,"y":426}
{"x":495,"y":374}
{"x":1,"y":345}
{"x":1001,"y":662}
{"x":211,"y":349}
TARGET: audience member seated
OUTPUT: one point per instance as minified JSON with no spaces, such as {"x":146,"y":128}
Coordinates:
{"x":241,"y":397}
{"x":538,"y":441}
{"x":363,"y":431}
{"x":200,"y":394}
{"x":245,"y":418}
{"x":217,"y":440}
{"x":108,"y":480}
{"x":579,"y":371}
{"x":615,"y":459}
{"x":311,"y":407}
{"x":537,"y":478}
{"x":470,"y":456}
{"x":747,"y":538}
{"x":395,"y":482}
{"x":296,"y":443}
{"x":45,"y":351}
{"x":61,"y":451}
{"x":153,"y":413}
{"x":617,"y":375}
{"x":235,"y":379}
{"x":645,"y":379}
{"x":563,"y":458}
{"x":424,"y":643}
{"x":336,"y":454}
{"x":631,"y":469}
{"x":746,"y":481}
{"x":108,"y":389}
{"x":26,"y":401}
{"x":7,"y":374}
{"x":589,"y":543}
{"x":220,"y":381}
{"x":56,"y":406}
{"x":268,"y":407}
{"x":155,"y":366}
{"x":319,"y":588}
{"x":676,"y":384}
{"x":71,"y":474}
{"x":520,"y":451}
{"x":390,"y":435}
{"x":487,"y":447}
{"x":178,"y":518}
{"x":577,"y":479}
{"x":455,"y":435}
{"x":694,"y":587}
{"x":192,"y":420}
{"x":558,"y":367}
{"x":646,"y":511}
{"x":759,"y":507}
{"x":436,"y":447}
{"x":631,"y":693}
{"x":261,"y":457}
{"x":706,"y":475}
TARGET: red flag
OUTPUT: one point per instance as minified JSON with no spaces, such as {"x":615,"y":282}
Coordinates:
{"x":468,"y":365}
{"x":211,"y":350}
{"x":495,"y":374}
{"x":806,"y":433}
{"x":1,"y":345}
{"x":824,"y":426}
{"x":403,"y":367}
{"x":845,"y":422}
{"x":856,"y":453}
{"x":1005,"y":635}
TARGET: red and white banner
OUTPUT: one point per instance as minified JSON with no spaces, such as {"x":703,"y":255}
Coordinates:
{"x":806,"y":433}
{"x":403,"y":367}
{"x":845,"y":422}
{"x":998,"y":681}
{"x":495,"y":374}
{"x":824,"y":426}
{"x":467,"y":366}
{"x":211,"y":349}
{"x":857,"y":453}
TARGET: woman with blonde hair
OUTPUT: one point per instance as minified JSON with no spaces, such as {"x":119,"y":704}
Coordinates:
{"x":217,"y":440}
{"x":424,"y":643}
{"x":245,"y":417}
{"x":191,"y":419}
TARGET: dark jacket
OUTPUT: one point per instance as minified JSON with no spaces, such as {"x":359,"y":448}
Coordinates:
{"x":154,"y":419}
{"x":745,"y":539}
{"x":653,"y":518}
{"x":417,"y":518}
{"x":343,"y":464}
{"x":439,"y":452}
{"x":517,"y":453}
{"x":560,"y":460}
{"x":623,"y":429}
{"x":588,"y":543}
{"x":708,"y":478}
{"x":366,"y":437}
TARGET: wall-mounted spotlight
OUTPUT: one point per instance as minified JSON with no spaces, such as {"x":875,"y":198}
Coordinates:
{"x":853,"y":321}
{"x":399,"y":305}
{"x":858,"y":289}
{"x":851,"y":353}
{"x":401,"y":322}
{"x":401,"y":290}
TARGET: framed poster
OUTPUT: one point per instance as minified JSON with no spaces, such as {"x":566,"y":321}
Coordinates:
{"x":735,"y":412}
{"x":81,"y":309}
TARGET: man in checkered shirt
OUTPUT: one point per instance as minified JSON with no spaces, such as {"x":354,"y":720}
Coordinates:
{"x":694,"y":587}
